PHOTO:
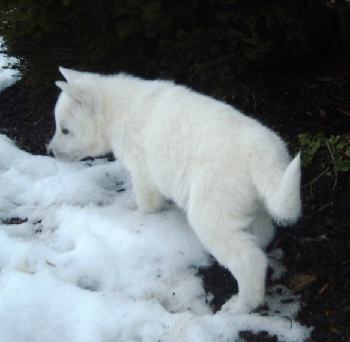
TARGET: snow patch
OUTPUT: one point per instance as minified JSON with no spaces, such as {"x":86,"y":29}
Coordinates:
{"x":84,"y":266}
{"x":8,"y":74}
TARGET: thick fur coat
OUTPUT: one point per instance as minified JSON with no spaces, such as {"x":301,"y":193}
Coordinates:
{"x":229,"y":173}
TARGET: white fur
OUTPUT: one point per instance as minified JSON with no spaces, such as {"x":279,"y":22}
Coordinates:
{"x":227,"y":171}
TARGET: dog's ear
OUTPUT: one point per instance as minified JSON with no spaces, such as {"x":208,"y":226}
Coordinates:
{"x":70,"y":75}
{"x":75,"y":91}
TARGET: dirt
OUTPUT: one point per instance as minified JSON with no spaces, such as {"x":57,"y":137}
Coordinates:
{"x":317,"y":249}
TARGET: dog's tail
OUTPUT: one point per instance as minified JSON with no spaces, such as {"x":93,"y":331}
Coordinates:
{"x":283,"y":200}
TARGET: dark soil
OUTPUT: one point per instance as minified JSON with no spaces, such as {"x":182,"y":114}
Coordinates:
{"x":317,"y":249}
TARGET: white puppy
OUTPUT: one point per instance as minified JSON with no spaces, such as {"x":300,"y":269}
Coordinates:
{"x":227,"y":171}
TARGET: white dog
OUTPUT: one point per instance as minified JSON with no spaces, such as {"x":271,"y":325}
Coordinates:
{"x":227,"y":171}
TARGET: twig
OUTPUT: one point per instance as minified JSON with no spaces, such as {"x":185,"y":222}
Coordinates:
{"x":343,"y":111}
{"x":316,"y":178}
{"x":324,"y":207}
{"x":323,"y":288}
{"x":334,"y":166}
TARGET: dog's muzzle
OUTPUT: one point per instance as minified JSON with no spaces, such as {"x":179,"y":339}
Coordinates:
{"x":49,"y":151}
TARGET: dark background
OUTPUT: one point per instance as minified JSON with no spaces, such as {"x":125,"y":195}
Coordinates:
{"x":220,"y":47}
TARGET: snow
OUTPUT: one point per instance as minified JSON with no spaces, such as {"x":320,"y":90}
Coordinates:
{"x":8,"y":75}
{"x":84,"y":265}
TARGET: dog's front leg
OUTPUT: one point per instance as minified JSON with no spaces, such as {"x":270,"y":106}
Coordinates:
{"x":148,"y":198}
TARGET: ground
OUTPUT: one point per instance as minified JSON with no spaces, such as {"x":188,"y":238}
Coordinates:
{"x":317,"y":249}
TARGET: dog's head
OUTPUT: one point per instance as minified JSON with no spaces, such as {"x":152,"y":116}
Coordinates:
{"x":79,"y":118}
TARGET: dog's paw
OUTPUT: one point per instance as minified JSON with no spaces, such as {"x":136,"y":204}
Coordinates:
{"x":132,"y":206}
{"x":234,"y":306}
{"x":239,"y":305}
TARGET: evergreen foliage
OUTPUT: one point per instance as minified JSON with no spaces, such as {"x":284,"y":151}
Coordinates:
{"x":217,"y":46}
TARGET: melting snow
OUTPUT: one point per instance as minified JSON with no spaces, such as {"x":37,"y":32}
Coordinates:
{"x":84,"y":265}
{"x":8,"y":75}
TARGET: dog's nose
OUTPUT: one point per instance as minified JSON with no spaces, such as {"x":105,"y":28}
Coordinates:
{"x":49,"y":152}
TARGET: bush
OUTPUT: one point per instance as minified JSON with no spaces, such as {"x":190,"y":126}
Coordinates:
{"x":216,"y":46}
{"x":327,"y":154}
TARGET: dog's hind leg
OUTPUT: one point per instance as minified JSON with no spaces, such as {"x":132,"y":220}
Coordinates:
{"x":263,"y":229}
{"x":223,"y":233}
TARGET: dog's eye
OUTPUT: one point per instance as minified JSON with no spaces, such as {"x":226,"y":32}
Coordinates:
{"x":65,"y":131}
